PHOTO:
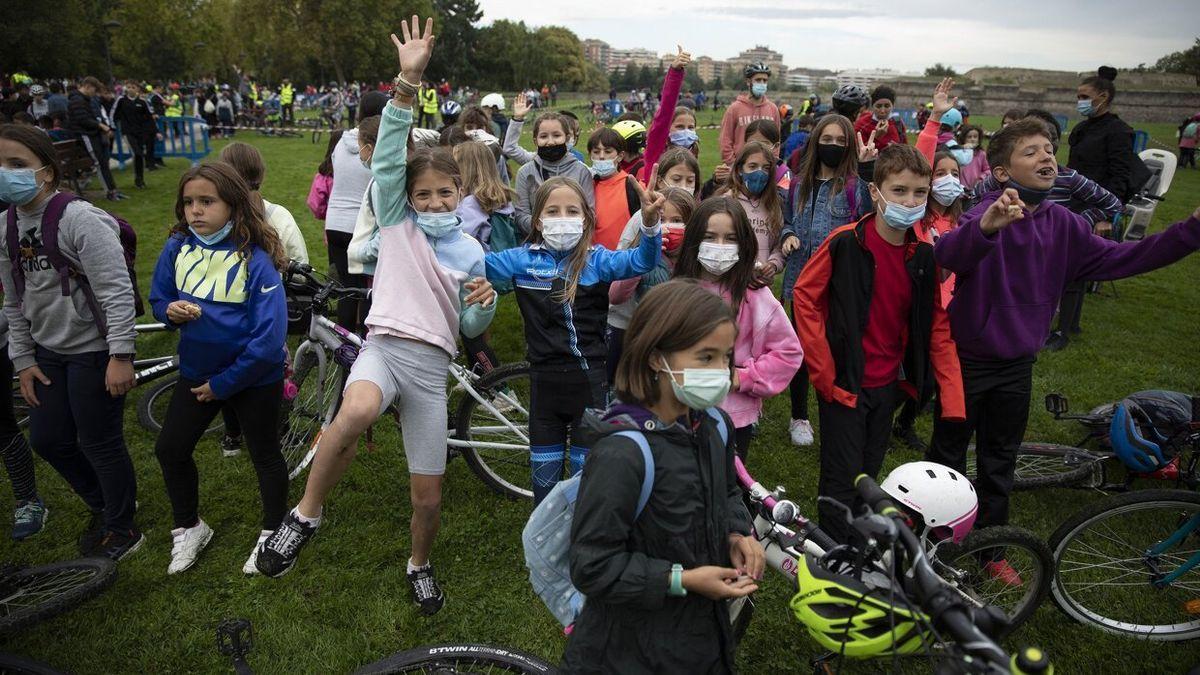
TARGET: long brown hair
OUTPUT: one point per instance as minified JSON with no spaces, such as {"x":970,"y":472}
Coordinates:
{"x":769,"y":199}
{"x":674,"y":157}
{"x":737,"y":279}
{"x":954,"y":211}
{"x":671,"y":317}
{"x":326,"y":167}
{"x":583,"y":250}
{"x":248,"y":162}
{"x":810,"y":164}
{"x":39,"y":144}
{"x":250,"y":227}
{"x":480,"y":177}
{"x":681,"y":199}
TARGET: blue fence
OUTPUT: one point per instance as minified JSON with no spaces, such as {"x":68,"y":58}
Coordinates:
{"x":1140,"y":140}
{"x":185,"y":137}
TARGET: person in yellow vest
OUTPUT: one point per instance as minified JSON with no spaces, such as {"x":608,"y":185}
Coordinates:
{"x":429,"y":106}
{"x":174,"y":113}
{"x":287,"y":93}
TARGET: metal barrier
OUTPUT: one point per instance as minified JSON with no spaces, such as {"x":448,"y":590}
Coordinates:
{"x":185,"y":137}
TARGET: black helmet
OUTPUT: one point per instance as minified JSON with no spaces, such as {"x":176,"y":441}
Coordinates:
{"x":756,"y":68}
{"x":852,"y":93}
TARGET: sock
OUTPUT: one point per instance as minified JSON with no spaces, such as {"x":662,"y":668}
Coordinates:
{"x":311,"y":522}
{"x":416,"y":568}
{"x":547,"y":464}
{"x":578,"y":455}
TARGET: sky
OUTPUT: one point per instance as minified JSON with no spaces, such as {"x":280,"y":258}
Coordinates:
{"x":905,"y":35}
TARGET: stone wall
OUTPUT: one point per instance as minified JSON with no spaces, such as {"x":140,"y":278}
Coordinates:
{"x":1030,"y":76}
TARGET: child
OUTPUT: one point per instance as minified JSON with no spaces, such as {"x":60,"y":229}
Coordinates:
{"x":322,"y":182}
{"x":29,"y":515}
{"x":797,"y":140}
{"x":633,"y":158}
{"x":745,"y":109}
{"x":879,"y":118}
{"x":427,"y":289}
{"x":561,"y":281}
{"x":550,"y":136}
{"x":1189,"y":137}
{"x":1013,"y":254}
{"x":640,"y":574}
{"x":751,"y":186}
{"x":850,"y":101}
{"x":616,"y":199}
{"x":670,"y":125}
{"x":826,"y":194}
{"x":248,"y":162}
{"x":74,"y":367}
{"x":720,"y":249}
{"x":217,"y":281}
{"x":970,"y":148}
{"x":1011,"y":115}
{"x":759,"y":131}
{"x":874,"y":285}
{"x":678,"y":167}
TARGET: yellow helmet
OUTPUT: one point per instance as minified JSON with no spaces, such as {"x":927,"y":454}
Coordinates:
{"x":632,"y":131}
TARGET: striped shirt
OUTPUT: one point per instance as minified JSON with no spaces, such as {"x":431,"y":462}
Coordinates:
{"x":1074,"y":191}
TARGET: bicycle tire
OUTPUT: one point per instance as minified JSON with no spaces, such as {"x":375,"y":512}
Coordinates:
{"x":159,"y":394}
{"x":86,"y":577}
{"x":11,"y":664}
{"x":449,"y":658}
{"x":1007,"y":537}
{"x":1044,"y":465}
{"x":503,"y":481}
{"x":1072,"y":530}
{"x":310,"y":412}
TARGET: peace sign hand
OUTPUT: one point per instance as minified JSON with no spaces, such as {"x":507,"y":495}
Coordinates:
{"x":682,"y":58}
{"x":651,"y":200}
{"x":1007,"y":209}
{"x":414,"y":50}
{"x":867,"y":152}
{"x":942,"y":102}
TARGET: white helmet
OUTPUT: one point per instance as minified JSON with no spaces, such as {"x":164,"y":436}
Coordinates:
{"x":943,"y":497}
{"x":494,"y":100}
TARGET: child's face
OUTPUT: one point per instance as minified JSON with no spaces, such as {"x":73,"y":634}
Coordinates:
{"x":948,"y":166}
{"x":203,"y":207}
{"x":832,"y":134}
{"x":563,"y":202}
{"x":679,"y":176}
{"x":882,"y":108}
{"x":720,"y":230}
{"x":972,"y":138}
{"x":434,"y":191}
{"x":755,"y":162}
{"x":714,"y":351}
{"x":550,"y":133}
{"x":671,"y":214}
{"x":1031,"y":164}
{"x":905,"y":188}
{"x":604,"y":152}
{"x":683,"y":123}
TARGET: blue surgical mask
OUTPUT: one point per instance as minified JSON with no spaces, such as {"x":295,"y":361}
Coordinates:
{"x":214,"y":238}
{"x":437,"y":224}
{"x":901,"y":217}
{"x":1030,"y":196}
{"x":962,"y":155}
{"x":1084,"y":107}
{"x":947,"y":189}
{"x":756,"y":181}
{"x":18,"y":186}
{"x":758,"y":89}
{"x":603,"y":168}
{"x":684,"y":138}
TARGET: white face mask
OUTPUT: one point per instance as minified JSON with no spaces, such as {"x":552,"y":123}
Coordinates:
{"x":717,"y":258}
{"x":701,"y":388}
{"x":562,"y":234}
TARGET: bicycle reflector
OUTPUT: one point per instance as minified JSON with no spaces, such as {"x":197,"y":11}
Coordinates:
{"x":1192,"y":606}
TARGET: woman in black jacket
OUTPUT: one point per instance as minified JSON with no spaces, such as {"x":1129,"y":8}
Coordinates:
{"x":1102,"y":144}
{"x":656,"y":582}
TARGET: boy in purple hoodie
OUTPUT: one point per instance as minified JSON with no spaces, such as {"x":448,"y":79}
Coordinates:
{"x":1013,"y":254}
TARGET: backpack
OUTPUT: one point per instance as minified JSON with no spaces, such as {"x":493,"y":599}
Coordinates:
{"x":504,"y":233}
{"x":547,"y":536}
{"x":66,"y":270}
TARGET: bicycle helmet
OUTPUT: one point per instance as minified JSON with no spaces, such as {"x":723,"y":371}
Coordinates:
{"x":37,"y":90}
{"x":632,"y":131}
{"x":493,"y":100}
{"x":1144,"y":425}
{"x":850,"y":617}
{"x":450,"y":108}
{"x":784,"y":110}
{"x":756,"y":68}
{"x":943,"y":498}
{"x":852,"y":93}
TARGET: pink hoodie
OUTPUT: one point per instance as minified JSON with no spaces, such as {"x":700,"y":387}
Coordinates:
{"x":766,"y":353}
{"x":737,"y":117}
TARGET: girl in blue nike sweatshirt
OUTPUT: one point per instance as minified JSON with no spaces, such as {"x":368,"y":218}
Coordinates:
{"x":217,"y":282}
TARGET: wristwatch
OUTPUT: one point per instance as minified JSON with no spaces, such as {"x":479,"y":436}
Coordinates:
{"x":677,"y":590}
{"x":123,"y":357}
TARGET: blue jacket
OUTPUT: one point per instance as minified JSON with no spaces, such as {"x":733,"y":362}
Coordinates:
{"x":238,"y":341}
{"x":812,"y":222}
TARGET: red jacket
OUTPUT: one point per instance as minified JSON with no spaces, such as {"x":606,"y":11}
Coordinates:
{"x":895,"y":131}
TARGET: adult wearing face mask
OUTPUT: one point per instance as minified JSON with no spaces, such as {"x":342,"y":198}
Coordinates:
{"x":1102,"y":144}
{"x":878,"y":118}
{"x":746,"y":108}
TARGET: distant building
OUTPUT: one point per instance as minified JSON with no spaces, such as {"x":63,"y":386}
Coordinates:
{"x":619,"y":60}
{"x":868,"y":78}
{"x":598,"y":52}
{"x":708,"y":68}
{"x":760,"y":53}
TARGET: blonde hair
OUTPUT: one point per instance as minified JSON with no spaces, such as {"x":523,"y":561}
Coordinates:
{"x":480,"y":176}
{"x":583,"y":250}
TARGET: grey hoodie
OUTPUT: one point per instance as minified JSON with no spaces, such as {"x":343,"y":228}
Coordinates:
{"x":350,"y":180}
{"x":44,"y":317}
{"x":532,"y":175}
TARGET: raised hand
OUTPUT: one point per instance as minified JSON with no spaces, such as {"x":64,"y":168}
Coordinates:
{"x":867,"y":152}
{"x":652,"y":201}
{"x":682,"y":58}
{"x":1006,"y":210}
{"x":942,"y":102}
{"x":521,"y":107}
{"x":414,"y":50}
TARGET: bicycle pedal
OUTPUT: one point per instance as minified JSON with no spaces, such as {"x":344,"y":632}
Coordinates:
{"x":235,"y":637}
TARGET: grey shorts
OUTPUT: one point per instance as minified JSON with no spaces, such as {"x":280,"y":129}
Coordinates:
{"x":411,"y":374}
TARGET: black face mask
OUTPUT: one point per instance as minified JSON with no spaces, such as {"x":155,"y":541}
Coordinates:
{"x":552,"y":153}
{"x":831,"y":155}
{"x":1029,"y":195}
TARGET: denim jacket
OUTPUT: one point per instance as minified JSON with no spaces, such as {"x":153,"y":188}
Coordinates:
{"x":813,"y":225}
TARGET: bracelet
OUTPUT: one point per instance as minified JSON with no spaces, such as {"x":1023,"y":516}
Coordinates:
{"x":404,"y":87}
{"x":677,"y":590}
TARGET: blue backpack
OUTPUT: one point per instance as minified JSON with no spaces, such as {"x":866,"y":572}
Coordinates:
{"x":547,"y":536}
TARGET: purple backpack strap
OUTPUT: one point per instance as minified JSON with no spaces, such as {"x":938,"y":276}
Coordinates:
{"x":852,"y":196}
{"x":50,"y":219}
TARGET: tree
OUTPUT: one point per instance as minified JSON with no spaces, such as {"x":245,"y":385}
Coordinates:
{"x":498,"y":49}
{"x":691,"y":79}
{"x":1186,"y":61}
{"x":939,"y":70}
{"x":645,"y":78}
{"x":457,"y":38}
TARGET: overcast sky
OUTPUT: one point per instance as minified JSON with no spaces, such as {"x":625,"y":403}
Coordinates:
{"x":1074,"y":35}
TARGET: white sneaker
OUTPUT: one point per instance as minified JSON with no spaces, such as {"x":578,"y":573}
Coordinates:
{"x":801,"y":432}
{"x":186,"y":546}
{"x":251,"y":567}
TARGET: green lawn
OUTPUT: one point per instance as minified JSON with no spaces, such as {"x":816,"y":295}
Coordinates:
{"x":346,"y":603}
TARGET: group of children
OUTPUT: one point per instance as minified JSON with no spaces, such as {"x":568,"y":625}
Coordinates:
{"x":647,"y":300}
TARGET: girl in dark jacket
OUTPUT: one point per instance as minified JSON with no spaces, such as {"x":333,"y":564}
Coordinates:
{"x":656,"y":582}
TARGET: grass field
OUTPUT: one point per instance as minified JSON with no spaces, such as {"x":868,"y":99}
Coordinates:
{"x":346,"y":603}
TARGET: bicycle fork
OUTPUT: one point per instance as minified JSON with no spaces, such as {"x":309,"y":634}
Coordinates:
{"x":1160,"y":580}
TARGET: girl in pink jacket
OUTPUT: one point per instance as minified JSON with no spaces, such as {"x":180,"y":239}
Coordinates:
{"x":719,"y":248}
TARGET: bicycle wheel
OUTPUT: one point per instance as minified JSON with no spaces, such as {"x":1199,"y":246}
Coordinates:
{"x":963,"y":566}
{"x":1043,"y":465}
{"x":152,"y":408}
{"x":318,"y":383}
{"x":32,"y":594}
{"x":458,"y":658}
{"x":1104,"y":571}
{"x":497,"y":435}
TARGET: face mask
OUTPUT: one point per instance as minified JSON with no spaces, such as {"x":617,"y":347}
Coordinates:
{"x":702,"y":387}
{"x":755,"y":181}
{"x":214,"y":238}
{"x":684,"y":138}
{"x":901,"y":217}
{"x":947,"y":189}
{"x":758,"y":89}
{"x":437,"y":224}
{"x":717,"y":258}
{"x":1028,"y":195}
{"x":962,"y":155}
{"x":562,"y":234}
{"x":831,"y":155}
{"x":1084,"y":108}
{"x":552,"y":153}
{"x":603,"y":168}
{"x":673,"y":236}
{"x":18,"y":186}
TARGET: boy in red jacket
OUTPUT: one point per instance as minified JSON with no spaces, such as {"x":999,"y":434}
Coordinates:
{"x":745,"y":109}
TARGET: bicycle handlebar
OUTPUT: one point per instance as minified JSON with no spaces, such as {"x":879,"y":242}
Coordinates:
{"x":327,"y":289}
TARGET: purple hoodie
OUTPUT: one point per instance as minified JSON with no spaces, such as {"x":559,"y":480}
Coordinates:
{"x":1009,"y":283}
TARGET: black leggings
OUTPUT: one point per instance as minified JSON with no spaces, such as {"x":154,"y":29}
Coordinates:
{"x":350,"y":313}
{"x":185,"y":422}
{"x":556,"y":404}
{"x":17,"y":458}
{"x":798,"y":393}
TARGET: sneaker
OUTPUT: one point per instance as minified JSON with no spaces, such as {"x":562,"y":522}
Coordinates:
{"x":910,"y":438}
{"x":1057,"y":341}
{"x":425,"y":590}
{"x":29,"y":518}
{"x":186,"y":544}
{"x":93,"y":532}
{"x":139,"y":184}
{"x":801,"y":432}
{"x":1001,"y":571}
{"x":251,"y":566}
{"x":117,"y":545}
{"x":231,"y":446}
{"x":278,"y":553}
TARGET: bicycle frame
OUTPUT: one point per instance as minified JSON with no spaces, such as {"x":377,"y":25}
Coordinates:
{"x":467,"y":379}
{"x":782,"y":545}
{"x":1151,"y":556}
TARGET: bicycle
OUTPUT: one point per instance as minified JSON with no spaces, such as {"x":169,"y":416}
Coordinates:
{"x":459,"y":657}
{"x":29,"y":595}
